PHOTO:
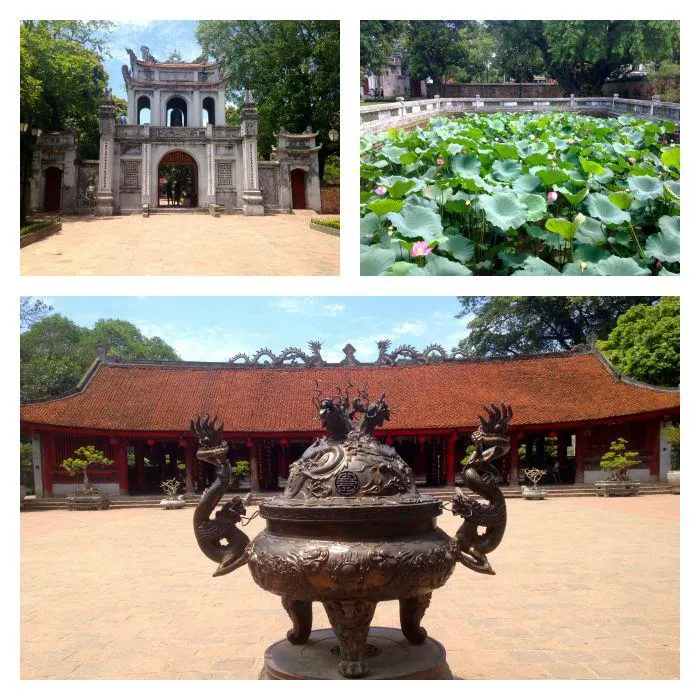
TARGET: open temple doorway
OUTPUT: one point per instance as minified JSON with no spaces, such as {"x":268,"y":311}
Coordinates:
{"x":177,"y":180}
{"x":52,"y":189}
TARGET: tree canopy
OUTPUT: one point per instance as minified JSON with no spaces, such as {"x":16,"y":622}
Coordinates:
{"x":579,"y":54}
{"x":62,"y":79}
{"x":55,"y":352}
{"x":293,"y":67}
{"x":510,"y":325}
{"x":645,"y":344}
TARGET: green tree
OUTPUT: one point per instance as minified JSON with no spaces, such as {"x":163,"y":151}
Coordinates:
{"x":645,"y":343}
{"x":582,"y":54}
{"x":511,"y":325}
{"x":378,"y":38}
{"x":619,"y":459}
{"x":55,"y":352}
{"x":293,"y":67}
{"x":62,"y":84}
{"x":517,"y":58}
{"x":126,"y":340}
{"x":31,"y":311}
{"x":84,"y":457}
{"x":437,"y":49}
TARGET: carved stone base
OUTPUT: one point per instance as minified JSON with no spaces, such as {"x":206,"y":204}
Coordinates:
{"x":617,"y":488}
{"x":393,"y":658}
{"x":96,"y":502}
{"x":105,"y":204}
{"x":253,"y":203}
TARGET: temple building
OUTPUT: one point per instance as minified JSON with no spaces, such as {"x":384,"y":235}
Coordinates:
{"x":567,"y":407}
{"x":176,"y":117}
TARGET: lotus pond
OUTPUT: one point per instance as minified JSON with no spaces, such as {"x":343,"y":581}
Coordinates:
{"x":522,"y":194}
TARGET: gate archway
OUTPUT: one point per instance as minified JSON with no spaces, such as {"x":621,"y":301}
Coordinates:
{"x":177,"y":180}
{"x":298,"y":177}
{"x":52,"y":189}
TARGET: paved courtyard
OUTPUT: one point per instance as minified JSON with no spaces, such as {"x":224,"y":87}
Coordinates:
{"x":585,"y":588}
{"x":185,"y":244}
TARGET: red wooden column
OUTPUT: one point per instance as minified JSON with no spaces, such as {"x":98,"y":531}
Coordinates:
{"x":48,"y":461}
{"x":561,"y":449}
{"x":653,"y":430}
{"x":582,"y":437}
{"x":122,"y":465}
{"x":420,"y":457}
{"x":514,"y":458}
{"x":139,"y":449}
{"x":254,"y":465}
{"x":190,"y":456}
{"x":451,"y":459}
{"x":282,"y":466}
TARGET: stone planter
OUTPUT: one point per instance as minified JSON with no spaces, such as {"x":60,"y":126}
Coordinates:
{"x":617,"y":488}
{"x":40,"y":234}
{"x":673,"y":479}
{"x":533,"y":494}
{"x":87,"y":497}
{"x":325,"y":229}
{"x":172,"y":503}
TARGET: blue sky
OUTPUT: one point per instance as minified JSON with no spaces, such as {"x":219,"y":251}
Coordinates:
{"x":214,"y":328}
{"x":161,"y":37}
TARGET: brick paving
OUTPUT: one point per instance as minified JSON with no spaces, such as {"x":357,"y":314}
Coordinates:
{"x":185,"y":244}
{"x":585,"y":588}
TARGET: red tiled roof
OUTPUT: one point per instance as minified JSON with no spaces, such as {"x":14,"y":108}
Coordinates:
{"x":566,"y":388}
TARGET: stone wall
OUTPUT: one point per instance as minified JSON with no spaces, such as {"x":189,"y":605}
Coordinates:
{"x":330,"y":199}
{"x":496,"y":90}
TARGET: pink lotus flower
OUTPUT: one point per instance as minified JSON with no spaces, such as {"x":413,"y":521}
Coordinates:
{"x":420,"y":248}
{"x":380,"y":190}
{"x":659,"y":264}
{"x":552,"y":196}
{"x":440,"y":161}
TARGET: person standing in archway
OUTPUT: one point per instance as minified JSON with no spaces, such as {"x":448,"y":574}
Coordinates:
{"x":178,"y":192}
{"x":169,"y":192}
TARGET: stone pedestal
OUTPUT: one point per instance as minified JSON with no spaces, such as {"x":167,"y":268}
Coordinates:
{"x":393,"y":658}
{"x":253,"y":203}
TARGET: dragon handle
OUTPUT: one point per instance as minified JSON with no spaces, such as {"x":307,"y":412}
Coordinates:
{"x":491,"y":442}
{"x":218,"y":537}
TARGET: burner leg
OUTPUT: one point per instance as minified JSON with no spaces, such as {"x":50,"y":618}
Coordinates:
{"x":411,"y":612}
{"x":301,"y":614}
{"x":350,"y":620}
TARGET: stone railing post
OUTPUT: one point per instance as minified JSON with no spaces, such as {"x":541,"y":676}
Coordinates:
{"x":478,"y":99}
{"x":402,"y":106}
{"x":437,"y":103}
{"x":571,"y":100}
{"x":655,"y":99}
{"x":616,"y":97}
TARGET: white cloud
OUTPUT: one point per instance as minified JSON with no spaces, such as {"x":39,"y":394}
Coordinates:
{"x":333,"y":309}
{"x":407,"y":328}
{"x":307,"y":306}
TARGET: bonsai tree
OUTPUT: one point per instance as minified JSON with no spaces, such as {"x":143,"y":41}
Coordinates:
{"x":85,"y":457}
{"x":673,"y":437}
{"x":618,"y":460}
{"x":238,"y":471}
{"x":170,"y":488}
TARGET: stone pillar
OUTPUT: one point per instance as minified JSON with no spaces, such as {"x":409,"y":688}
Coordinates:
{"x":402,"y":106}
{"x":581,"y":450}
{"x":146,"y":175}
{"x":437,"y":103}
{"x":451,"y":466}
{"x":36,"y":466}
{"x":514,"y":458}
{"x":572,"y":100}
{"x":197,"y":106}
{"x":211,"y":174}
{"x":105,"y":195}
{"x":616,"y":97}
{"x":478,"y":101}
{"x":252,"y":196}
{"x":561,"y":450}
{"x":655,"y":99}
{"x":122,"y":465}
{"x":139,"y":449}
{"x":156,"y":118}
{"x":254,"y":465}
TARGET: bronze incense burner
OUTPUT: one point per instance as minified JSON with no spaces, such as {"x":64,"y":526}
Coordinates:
{"x":351,"y":529}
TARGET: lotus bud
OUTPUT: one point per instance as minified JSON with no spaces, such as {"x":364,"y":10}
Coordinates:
{"x":579,"y":220}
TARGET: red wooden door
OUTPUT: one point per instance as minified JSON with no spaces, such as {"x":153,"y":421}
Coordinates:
{"x":298,"y":189}
{"x":52,"y":190}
